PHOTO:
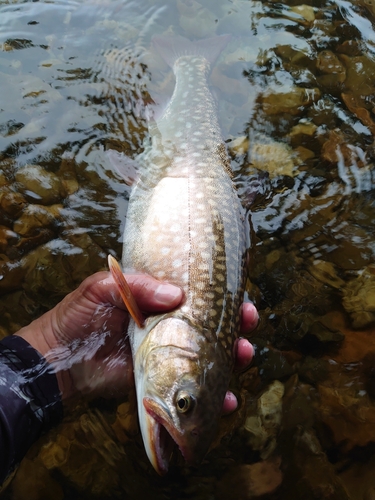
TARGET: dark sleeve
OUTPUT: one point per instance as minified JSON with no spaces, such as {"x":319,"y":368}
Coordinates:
{"x":30,"y":401}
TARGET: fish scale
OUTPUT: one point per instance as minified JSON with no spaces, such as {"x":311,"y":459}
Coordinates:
{"x":185,"y":225}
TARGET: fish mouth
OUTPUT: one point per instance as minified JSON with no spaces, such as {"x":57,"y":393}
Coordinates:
{"x":163,"y":437}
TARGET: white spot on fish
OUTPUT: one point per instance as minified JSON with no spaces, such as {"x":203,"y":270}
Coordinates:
{"x":185,"y":277}
{"x":175,"y":228}
{"x":160,"y":274}
{"x":199,"y":195}
{"x":185,"y":94}
{"x":177,"y":263}
{"x":178,"y":134}
{"x":165,"y":250}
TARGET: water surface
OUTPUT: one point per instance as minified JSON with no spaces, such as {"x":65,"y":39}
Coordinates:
{"x":295,"y":92}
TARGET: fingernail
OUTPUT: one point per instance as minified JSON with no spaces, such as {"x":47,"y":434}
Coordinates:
{"x":168,"y":294}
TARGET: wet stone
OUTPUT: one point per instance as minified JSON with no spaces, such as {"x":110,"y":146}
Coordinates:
{"x":350,"y":48}
{"x":360,"y":82}
{"x":3,"y":180}
{"x":7,"y":238}
{"x":11,"y":275}
{"x":36,"y":217}
{"x":327,"y":273}
{"x":38,"y":184}
{"x":293,"y":102}
{"x":11,"y":202}
{"x":359,"y":298}
{"x":305,"y":11}
{"x":311,"y":476}
{"x":274,"y":158}
{"x":248,"y":481}
{"x":328,"y":63}
{"x":263,"y":421}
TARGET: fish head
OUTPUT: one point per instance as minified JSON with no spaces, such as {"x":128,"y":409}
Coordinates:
{"x":180,"y":394}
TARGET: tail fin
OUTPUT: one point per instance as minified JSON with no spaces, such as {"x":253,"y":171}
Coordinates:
{"x":173,"y":47}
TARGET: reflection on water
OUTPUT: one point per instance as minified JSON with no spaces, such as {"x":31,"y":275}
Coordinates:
{"x":295,"y":91}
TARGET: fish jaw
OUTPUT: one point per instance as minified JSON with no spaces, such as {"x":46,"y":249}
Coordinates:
{"x":161,"y":437}
{"x":154,"y":444}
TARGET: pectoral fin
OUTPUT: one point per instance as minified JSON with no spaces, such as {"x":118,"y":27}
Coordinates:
{"x":125,"y":291}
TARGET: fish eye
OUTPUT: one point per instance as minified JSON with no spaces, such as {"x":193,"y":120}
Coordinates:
{"x":184,"y":402}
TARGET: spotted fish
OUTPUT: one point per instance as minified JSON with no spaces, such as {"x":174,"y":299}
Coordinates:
{"x":185,"y":225}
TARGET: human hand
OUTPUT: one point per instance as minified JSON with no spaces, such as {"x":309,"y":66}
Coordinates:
{"x":83,"y":336}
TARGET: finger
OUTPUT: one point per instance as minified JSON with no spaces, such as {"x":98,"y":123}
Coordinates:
{"x":249,"y":317}
{"x":150,"y":294}
{"x":244,"y":354}
{"x":230,"y":403}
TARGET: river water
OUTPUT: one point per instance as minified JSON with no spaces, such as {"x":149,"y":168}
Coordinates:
{"x":295,"y":91}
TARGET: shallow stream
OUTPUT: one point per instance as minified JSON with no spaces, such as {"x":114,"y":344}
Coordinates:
{"x":296,"y":100}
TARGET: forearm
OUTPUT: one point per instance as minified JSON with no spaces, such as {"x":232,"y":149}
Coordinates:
{"x":30,"y":401}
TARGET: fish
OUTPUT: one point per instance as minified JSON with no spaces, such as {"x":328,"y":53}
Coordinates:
{"x":185,"y":225}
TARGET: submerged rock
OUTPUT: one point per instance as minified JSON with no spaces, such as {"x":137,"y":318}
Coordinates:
{"x":39,"y":185}
{"x":293,"y":102}
{"x":262,"y":425}
{"x":11,"y":202}
{"x":7,"y":238}
{"x":359,"y":298}
{"x":68,"y":262}
{"x":276,"y":158}
{"x":332,"y":70}
{"x":327,"y":273}
{"x":36,"y":217}
{"x":247,"y":481}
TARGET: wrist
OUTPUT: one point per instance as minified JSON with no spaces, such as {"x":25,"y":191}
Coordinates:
{"x":40,"y":335}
